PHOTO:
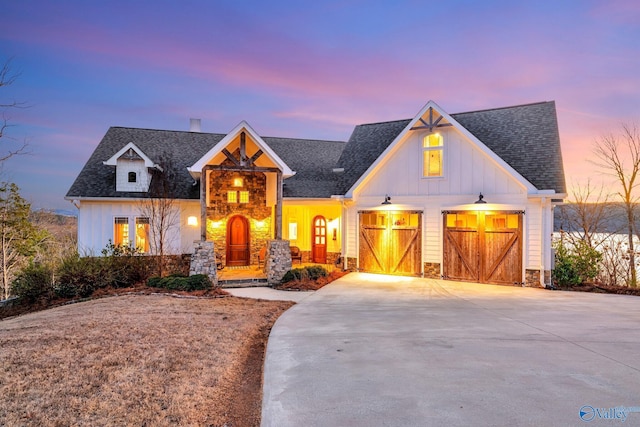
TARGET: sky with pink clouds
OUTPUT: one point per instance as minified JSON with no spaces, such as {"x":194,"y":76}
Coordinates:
{"x":304,"y":69}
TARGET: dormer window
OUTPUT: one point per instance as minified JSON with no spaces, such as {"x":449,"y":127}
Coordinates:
{"x":133,"y":177}
{"x":432,"y":155}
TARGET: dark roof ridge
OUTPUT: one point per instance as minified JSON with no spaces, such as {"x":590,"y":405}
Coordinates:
{"x":165,"y":130}
{"x":302,"y":139}
{"x":385,"y":122}
{"x":502,"y":108}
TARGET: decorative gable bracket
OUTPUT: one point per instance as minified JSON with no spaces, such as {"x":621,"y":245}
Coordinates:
{"x":431,"y":123}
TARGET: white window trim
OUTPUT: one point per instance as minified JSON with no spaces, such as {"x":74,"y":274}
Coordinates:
{"x":443,"y":147}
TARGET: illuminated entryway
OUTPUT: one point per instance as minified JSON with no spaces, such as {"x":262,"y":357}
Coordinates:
{"x":390,"y":242}
{"x":483,"y":246}
{"x":238,"y":241}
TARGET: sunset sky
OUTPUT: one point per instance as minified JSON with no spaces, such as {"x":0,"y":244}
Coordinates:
{"x":304,"y":69}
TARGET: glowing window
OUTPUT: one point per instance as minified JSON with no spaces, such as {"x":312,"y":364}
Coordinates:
{"x":433,"y":150}
{"x":121,"y":231}
{"x":462,"y":220}
{"x":237,"y":182}
{"x":244,"y":197}
{"x":232,"y":197}
{"x":142,"y":234}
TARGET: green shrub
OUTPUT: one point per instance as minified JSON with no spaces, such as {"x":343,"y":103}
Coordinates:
{"x":311,"y":272}
{"x":33,"y":283}
{"x":79,"y":277}
{"x":181,"y":283}
{"x":576,"y":264}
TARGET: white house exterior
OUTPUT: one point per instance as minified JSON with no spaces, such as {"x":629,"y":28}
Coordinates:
{"x":326,"y":197}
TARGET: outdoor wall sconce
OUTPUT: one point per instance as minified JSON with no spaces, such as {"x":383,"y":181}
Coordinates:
{"x":192,"y":221}
{"x":335,"y":234}
{"x":387,"y":200}
{"x":480,"y":199}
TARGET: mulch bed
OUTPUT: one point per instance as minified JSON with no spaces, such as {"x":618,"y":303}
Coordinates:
{"x":602,"y":289}
{"x":311,"y":285}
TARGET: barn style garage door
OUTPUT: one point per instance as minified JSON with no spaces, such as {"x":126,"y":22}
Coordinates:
{"x":483,"y":246}
{"x":390,"y":242}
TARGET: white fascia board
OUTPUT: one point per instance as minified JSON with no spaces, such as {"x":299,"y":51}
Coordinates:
{"x":197,"y":167}
{"x":396,"y":142}
{"x":113,"y":160}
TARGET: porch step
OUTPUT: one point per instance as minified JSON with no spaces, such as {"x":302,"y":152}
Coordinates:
{"x":243,"y":283}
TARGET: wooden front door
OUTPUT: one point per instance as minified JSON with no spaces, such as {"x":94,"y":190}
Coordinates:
{"x":319,"y":240}
{"x":483,"y":246}
{"x":237,"y":241}
{"x":390,"y":242}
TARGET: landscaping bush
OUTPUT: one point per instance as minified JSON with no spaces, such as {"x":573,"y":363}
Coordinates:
{"x":181,"y":283}
{"x":312,"y":272}
{"x":79,"y":277}
{"x":33,"y":283}
{"x":575,"y":265}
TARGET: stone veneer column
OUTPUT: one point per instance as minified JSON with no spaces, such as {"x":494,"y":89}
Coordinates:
{"x":277,"y":260}
{"x":203,"y":261}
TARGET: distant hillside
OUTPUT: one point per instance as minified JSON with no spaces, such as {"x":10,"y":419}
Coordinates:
{"x":614,"y":221}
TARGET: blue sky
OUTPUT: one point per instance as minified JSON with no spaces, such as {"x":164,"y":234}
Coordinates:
{"x":304,"y":69}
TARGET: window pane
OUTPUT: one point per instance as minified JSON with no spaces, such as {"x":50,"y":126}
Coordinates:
{"x":244,"y":197}
{"x":232,"y":197}
{"x":432,"y":163}
{"x":432,"y":140}
{"x":142,"y":234}
{"x":121,"y":231}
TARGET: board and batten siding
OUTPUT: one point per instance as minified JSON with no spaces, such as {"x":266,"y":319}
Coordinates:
{"x":467,"y":170}
{"x":96,"y":225}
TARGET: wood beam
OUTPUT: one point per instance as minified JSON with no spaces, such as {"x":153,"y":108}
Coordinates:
{"x":230,"y":157}
{"x":278,"y":213}
{"x":243,"y":149}
{"x":239,"y":168}
{"x":254,"y":157}
{"x":203,"y":205}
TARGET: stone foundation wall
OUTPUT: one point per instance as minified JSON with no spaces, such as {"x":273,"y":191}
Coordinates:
{"x":352,"y":264}
{"x":331,"y":257}
{"x":277,"y":260}
{"x":203,"y":261}
{"x":532,"y":278}
{"x":432,"y":270}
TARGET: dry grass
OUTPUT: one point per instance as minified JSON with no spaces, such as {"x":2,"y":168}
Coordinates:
{"x":141,"y":360}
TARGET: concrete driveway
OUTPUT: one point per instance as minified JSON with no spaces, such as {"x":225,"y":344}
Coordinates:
{"x":371,"y":350}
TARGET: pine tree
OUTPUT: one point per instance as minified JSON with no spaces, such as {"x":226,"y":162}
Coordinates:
{"x":18,"y":236}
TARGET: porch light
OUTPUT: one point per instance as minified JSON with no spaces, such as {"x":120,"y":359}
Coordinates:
{"x":480,"y":199}
{"x":192,"y":221}
{"x":387,"y":200}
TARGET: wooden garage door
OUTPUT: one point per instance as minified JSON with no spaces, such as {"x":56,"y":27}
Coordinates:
{"x":483,"y":246}
{"x":390,"y":242}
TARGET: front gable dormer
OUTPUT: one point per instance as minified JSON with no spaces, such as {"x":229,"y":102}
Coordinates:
{"x":132,"y":169}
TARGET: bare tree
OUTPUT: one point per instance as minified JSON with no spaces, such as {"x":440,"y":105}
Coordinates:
{"x":162,"y":211}
{"x":7,"y":77}
{"x":587,"y":216}
{"x":619,"y":156}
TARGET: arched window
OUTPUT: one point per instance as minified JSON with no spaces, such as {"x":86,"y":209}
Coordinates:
{"x":133,"y":177}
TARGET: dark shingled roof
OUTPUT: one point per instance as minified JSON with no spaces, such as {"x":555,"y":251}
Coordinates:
{"x":313,"y":161}
{"x":525,"y":136}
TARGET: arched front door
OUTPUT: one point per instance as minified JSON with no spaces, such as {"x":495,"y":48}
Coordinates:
{"x":319,"y":242}
{"x":237,"y":241}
